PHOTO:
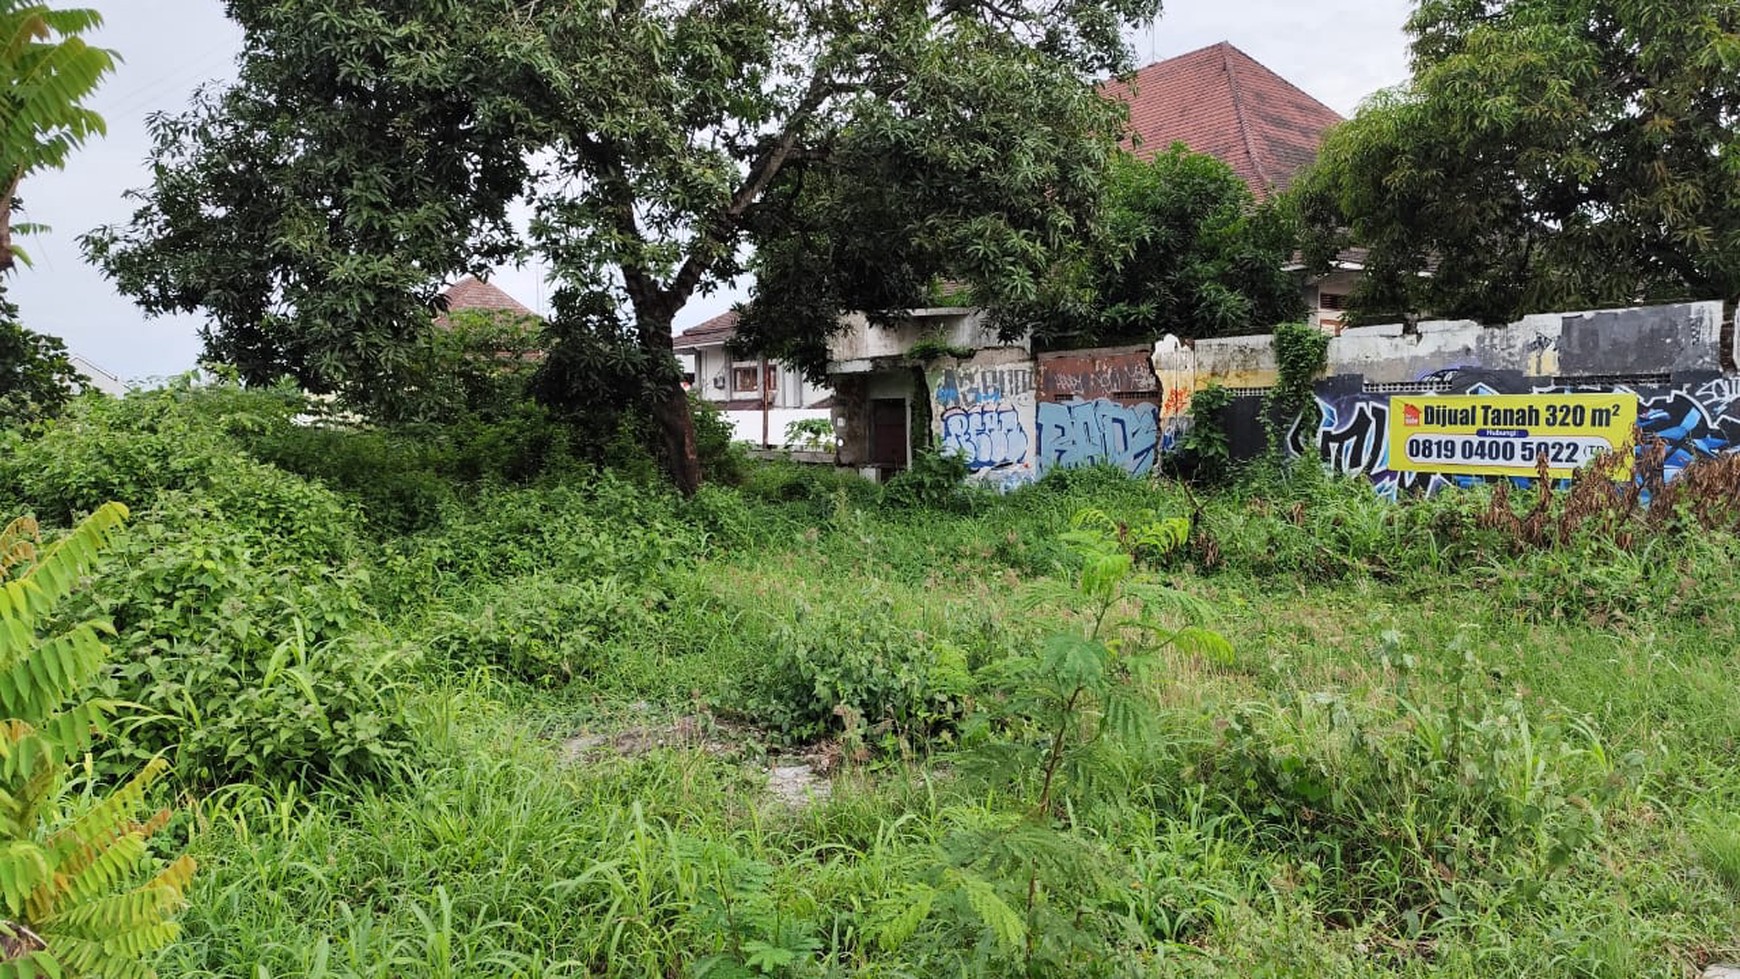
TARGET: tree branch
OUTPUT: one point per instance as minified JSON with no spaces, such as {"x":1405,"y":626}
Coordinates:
{"x":761,"y":173}
{"x":643,"y":290}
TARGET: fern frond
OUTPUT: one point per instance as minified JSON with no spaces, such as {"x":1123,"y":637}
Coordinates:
{"x":23,"y":868}
{"x":1206,"y":643}
{"x":1001,"y":920}
{"x":100,"y":820}
{"x":106,"y":869}
{"x":1161,"y":536}
{"x":912,"y":906}
{"x":71,"y":893}
{"x":35,"y":964}
{"x":48,"y":675}
{"x":177,"y":875}
{"x":18,"y":540}
{"x":58,"y":570}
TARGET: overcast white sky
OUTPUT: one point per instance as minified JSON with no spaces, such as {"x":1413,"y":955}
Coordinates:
{"x":1338,"y":50}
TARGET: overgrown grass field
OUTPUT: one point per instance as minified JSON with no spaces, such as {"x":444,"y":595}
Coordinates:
{"x":447,"y":704}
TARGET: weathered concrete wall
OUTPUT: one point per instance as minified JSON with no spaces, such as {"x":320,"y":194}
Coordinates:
{"x":1602,"y":343}
{"x":851,"y":414}
{"x":1099,"y":406}
{"x":1646,"y":340}
{"x":982,"y":409}
{"x":1174,"y":366}
{"x":853,"y":394}
{"x":861,"y":347}
{"x":1235,"y":362}
{"x":1014,"y":416}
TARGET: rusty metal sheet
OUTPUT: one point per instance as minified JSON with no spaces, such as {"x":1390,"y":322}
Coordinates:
{"x":1122,"y":374}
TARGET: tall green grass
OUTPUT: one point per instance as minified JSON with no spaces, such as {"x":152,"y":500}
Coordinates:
{"x":1428,"y":752}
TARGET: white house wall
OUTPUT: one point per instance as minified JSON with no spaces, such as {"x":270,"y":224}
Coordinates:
{"x":746,"y":426}
{"x":714,"y":369}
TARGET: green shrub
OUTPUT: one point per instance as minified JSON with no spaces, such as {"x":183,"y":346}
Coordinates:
{"x":811,"y":434}
{"x":934,"y":481}
{"x":1206,"y":453}
{"x":401,"y":475}
{"x":722,"y":459}
{"x":394,"y":483}
{"x":859,"y":663}
{"x":253,"y":666}
{"x":601,"y":526}
{"x":548,"y":630}
{"x":185,"y":442}
{"x":129,"y":449}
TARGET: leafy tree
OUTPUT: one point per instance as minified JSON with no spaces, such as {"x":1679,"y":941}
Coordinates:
{"x":48,"y":71}
{"x":36,"y":375}
{"x":975,"y":180}
{"x":1183,"y":248}
{"x":1547,"y":154}
{"x":369,"y":150}
{"x":477,"y":364}
{"x":366,"y":153}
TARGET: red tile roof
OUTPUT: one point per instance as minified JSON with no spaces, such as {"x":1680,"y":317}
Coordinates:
{"x":711,"y":333}
{"x":474,"y":293}
{"x":1222,"y":102}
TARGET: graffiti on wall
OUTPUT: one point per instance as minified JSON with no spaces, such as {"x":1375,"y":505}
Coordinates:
{"x":1175,"y":377}
{"x":1353,"y":438}
{"x":988,"y":436}
{"x":1696,"y":422}
{"x":968,"y":385}
{"x":1081,"y":433}
{"x":1087,"y":375}
{"x":1699,"y":420}
{"x":984,"y":415}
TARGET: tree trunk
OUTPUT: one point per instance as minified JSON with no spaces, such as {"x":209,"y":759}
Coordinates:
{"x":671,"y":411}
{"x":8,"y":196}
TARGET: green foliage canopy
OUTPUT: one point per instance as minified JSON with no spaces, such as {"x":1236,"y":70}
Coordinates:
{"x":369,"y":151}
{"x":36,"y":375}
{"x":1547,"y":154}
{"x":70,"y":868}
{"x":1182,"y":248}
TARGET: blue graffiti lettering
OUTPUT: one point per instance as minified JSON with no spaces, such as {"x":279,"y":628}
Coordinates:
{"x":988,"y":436}
{"x":1082,"y":433}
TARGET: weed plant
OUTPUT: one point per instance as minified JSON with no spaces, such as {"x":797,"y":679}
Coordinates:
{"x":1096,"y":726}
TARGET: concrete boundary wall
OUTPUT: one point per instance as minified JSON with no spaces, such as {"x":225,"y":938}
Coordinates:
{"x":1646,"y":340}
{"x":1696,"y":413}
{"x":982,"y":409}
{"x":1014,"y":415}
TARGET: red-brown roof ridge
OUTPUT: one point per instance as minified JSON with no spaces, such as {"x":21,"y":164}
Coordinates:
{"x":470,"y":292}
{"x":1220,"y":101}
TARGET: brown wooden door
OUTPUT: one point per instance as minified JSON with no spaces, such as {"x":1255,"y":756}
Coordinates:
{"x":888,"y":436}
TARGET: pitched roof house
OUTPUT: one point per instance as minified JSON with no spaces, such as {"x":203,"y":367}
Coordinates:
{"x":759,"y":398}
{"x":472,"y":293}
{"x":1224,"y":103}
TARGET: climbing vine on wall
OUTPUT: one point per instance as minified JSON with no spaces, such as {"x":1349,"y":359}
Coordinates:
{"x":1301,"y":354}
{"x":1207,"y":443}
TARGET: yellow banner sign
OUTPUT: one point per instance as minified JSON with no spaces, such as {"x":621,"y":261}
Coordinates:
{"x":1505,"y":434}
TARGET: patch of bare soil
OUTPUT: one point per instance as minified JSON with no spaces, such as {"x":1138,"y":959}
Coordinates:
{"x":796,"y":780}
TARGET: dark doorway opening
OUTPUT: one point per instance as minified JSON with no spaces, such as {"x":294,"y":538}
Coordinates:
{"x":889,"y":439}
